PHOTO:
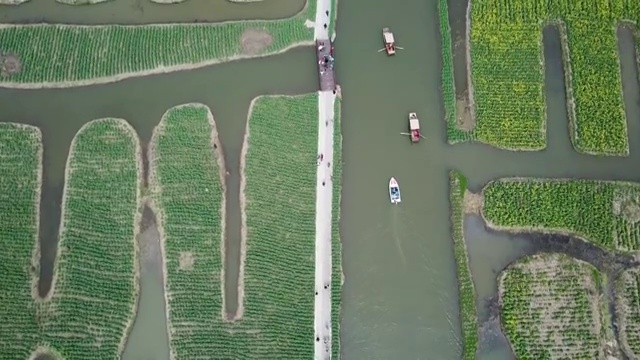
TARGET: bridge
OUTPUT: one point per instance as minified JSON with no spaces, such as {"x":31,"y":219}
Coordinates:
{"x":326,"y":74}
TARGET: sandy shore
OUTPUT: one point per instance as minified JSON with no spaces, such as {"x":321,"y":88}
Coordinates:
{"x":155,"y":190}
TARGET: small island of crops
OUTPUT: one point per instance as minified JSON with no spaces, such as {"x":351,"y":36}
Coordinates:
{"x":507,"y":73}
{"x":550,"y":308}
{"x":606,"y":213}
{"x":277,"y":197}
{"x":95,"y":275}
{"x":468,"y":311}
{"x":628,"y":311}
{"x":44,"y":55}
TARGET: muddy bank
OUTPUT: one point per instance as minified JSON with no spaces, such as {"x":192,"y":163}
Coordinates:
{"x":609,"y":263}
{"x":458,"y":24}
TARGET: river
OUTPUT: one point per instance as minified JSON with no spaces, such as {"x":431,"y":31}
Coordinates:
{"x":400,"y":294}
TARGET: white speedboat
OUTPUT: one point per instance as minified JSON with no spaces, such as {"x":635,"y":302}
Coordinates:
{"x":394,"y":191}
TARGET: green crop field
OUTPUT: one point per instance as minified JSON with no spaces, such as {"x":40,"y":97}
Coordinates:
{"x":628,"y":311}
{"x":550,"y":308}
{"x":49,"y":53}
{"x":336,"y":243}
{"x":186,"y":186}
{"x":468,"y":313}
{"x":606,"y":213}
{"x":96,"y":270}
{"x":278,"y":273}
{"x":21,"y":169}
{"x":508,"y":76}
{"x":96,"y":267}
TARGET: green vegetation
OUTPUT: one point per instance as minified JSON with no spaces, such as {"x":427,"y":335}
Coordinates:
{"x":454,"y":133}
{"x":21,"y":169}
{"x":96,"y":274}
{"x":550,"y":308}
{"x":508,"y":74}
{"x":48,"y":53}
{"x":468,"y":313}
{"x":628,"y":311}
{"x":189,"y":198}
{"x":336,"y":244}
{"x":277,"y":282}
{"x":604,"y":212}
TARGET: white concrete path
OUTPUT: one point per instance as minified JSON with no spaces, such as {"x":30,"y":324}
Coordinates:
{"x":324,"y":198}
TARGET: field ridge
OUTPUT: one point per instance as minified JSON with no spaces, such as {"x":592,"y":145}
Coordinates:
{"x":126,"y":53}
{"x":467,"y":293}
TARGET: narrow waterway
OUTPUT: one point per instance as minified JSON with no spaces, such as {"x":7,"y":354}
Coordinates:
{"x":146,"y":11}
{"x":400,"y":298}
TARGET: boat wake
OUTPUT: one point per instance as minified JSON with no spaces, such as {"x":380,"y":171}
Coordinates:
{"x":395,"y":232}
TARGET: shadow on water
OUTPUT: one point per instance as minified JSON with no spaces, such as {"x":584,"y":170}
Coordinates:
{"x":146,"y":11}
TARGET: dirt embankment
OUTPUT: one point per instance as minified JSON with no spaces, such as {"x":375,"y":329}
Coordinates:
{"x":460,"y":23}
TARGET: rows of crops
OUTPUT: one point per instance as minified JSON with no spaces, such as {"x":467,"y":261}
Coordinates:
{"x":336,"y":244}
{"x":96,"y":282}
{"x":604,"y":212}
{"x":20,"y":166}
{"x":65,"y":55}
{"x":280,"y":218}
{"x":508,"y":75}
{"x":186,"y":186}
{"x":628,"y":311}
{"x":550,"y":308}
{"x":468,"y":313}
{"x":280,"y":189}
{"x":454,"y":134}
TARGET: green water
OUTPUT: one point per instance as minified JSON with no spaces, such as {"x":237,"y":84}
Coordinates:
{"x":400,"y":293}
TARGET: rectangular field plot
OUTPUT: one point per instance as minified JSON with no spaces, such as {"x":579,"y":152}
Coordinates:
{"x":507,"y":72}
{"x":20,"y":166}
{"x":549,"y":308}
{"x":95,"y":286}
{"x":275,"y":318}
{"x":606,"y":213}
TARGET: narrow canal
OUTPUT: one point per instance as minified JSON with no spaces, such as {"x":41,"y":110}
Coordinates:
{"x":400,"y":293}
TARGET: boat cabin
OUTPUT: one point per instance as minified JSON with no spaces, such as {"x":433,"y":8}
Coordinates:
{"x":414,"y":127}
{"x":389,"y":41}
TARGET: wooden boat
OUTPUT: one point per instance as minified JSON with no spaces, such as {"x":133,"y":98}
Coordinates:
{"x":394,"y":191}
{"x":389,"y":41}
{"x":414,"y":127}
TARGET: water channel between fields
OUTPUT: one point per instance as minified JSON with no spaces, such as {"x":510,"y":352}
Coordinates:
{"x":400,"y":292}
